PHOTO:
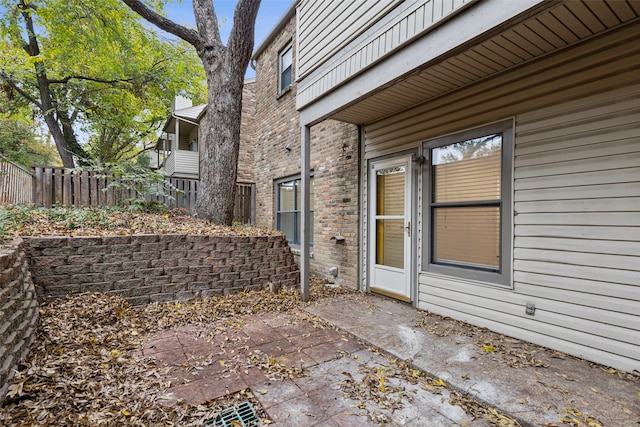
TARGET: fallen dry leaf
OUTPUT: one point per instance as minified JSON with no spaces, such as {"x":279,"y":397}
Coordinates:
{"x":83,"y":368}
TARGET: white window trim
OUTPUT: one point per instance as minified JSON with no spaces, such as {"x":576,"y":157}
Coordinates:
{"x":287,"y":47}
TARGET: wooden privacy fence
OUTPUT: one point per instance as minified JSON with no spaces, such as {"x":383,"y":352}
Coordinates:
{"x":245,"y":205}
{"x":56,"y":186}
{"x":15,"y":183}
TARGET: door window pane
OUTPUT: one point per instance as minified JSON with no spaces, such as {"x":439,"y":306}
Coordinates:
{"x":390,"y":242}
{"x":390,"y":191}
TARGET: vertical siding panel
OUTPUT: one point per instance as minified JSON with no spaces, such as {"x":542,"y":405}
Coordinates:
{"x":438,"y":9}
{"x":333,"y":18}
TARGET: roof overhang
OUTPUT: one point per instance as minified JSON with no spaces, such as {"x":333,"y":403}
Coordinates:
{"x":542,"y":30}
{"x":290,"y":13}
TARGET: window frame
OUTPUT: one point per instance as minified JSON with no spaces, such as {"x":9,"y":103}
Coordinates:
{"x":281,"y":70}
{"x":504,"y":275}
{"x":297,"y":211}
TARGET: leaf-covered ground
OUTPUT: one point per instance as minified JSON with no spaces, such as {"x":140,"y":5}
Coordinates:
{"x":20,"y":221}
{"x":83,"y":368}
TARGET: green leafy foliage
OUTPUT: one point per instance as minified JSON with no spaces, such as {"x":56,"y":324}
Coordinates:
{"x":20,"y":144}
{"x":148,"y":185}
{"x":10,"y":218}
{"x":108,"y":76}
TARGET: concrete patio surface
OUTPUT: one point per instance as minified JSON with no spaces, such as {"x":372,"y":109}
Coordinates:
{"x":205,"y":363}
{"x":201,"y":363}
{"x":537,"y":386}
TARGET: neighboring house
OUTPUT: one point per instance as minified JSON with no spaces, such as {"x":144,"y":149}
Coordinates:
{"x":177,"y":149}
{"x":177,"y":152}
{"x":335,"y":161}
{"x":500,"y":159}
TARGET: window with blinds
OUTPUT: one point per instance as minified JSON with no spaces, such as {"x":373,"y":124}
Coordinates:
{"x":286,"y":68}
{"x":466,"y":203}
{"x":289,"y":209}
{"x":390,"y":217}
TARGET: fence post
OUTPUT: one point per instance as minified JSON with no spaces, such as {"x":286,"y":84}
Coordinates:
{"x":39,"y":173}
{"x":67,"y":192}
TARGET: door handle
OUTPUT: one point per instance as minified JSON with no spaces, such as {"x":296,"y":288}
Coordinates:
{"x":408,"y":228}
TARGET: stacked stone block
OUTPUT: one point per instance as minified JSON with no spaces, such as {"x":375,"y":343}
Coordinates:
{"x":18,"y":311}
{"x":160,"y":267}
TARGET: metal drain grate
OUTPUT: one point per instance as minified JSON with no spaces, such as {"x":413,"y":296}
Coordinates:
{"x":241,"y":415}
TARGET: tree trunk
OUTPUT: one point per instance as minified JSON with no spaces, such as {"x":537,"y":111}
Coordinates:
{"x":218,"y":169}
{"x":45,"y":104}
{"x":70,"y":140}
{"x":225,"y":68}
{"x":58,"y":138}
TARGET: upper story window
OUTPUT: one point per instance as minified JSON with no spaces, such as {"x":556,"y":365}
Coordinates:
{"x":285,"y":73}
{"x":289,"y":209}
{"x":470,"y":204}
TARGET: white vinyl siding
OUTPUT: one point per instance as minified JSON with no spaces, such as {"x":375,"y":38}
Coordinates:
{"x":564,"y":76}
{"x":576,"y":198}
{"x":187,"y":163}
{"x":325,"y":27}
{"x":328,"y":42}
{"x":182,"y":163}
{"x":576,"y":242}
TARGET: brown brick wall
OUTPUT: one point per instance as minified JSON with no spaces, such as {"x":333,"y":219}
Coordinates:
{"x":245,"y":156}
{"x":165,"y":267}
{"x":18,"y":310}
{"x":334,"y":160}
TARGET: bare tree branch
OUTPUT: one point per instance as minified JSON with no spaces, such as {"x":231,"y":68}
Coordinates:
{"x":13,"y":84}
{"x":190,"y":36}
{"x":242,"y":34}
{"x":207,"y":22}
{"x":66,"y":79}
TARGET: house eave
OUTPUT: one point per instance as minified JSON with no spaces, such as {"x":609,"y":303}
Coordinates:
{"x":275,"y":31}
{"x":375,"y":93}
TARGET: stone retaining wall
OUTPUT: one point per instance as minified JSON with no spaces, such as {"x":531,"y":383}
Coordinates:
{"x":164,"y":267}
{"x":141,"y":268}
{"x":18,"y":310}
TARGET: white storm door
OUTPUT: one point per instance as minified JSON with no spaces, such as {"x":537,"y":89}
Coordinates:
{"x":390,"y":228}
